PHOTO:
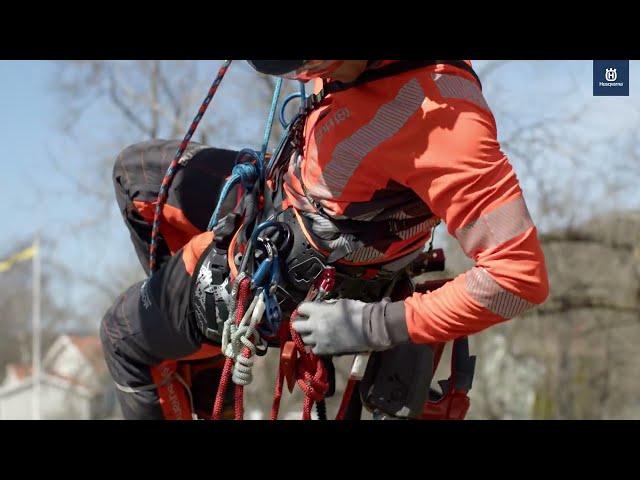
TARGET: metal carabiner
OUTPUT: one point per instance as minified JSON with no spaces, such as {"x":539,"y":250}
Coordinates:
{"x":254,"y":237}
{"x":273,"y":311}
{"x":263,"y":273}
{"x":283,"y":107}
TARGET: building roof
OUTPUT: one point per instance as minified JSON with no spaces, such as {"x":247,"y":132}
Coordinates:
{"x":91,"y":348}
{"x":20,"y":372}
{"x":57,"y":381}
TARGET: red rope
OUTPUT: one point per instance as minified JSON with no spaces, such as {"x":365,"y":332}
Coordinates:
{"x":163,"y":193}
{"x":241,"y":307}
{"x":310,"y":374}
{"x":283,"y":334}
{"x":239,"y":391}
{"x":304,"y":367}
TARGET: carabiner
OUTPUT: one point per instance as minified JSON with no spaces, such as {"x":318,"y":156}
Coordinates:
{"x":273,"y":313}
{"x":259,"y":278}
{"x":286,"y":101}
{"x":254,"y":237}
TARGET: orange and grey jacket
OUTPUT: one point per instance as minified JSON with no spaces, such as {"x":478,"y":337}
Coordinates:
{"x":423,"y":145}
{"x":407,"y":151}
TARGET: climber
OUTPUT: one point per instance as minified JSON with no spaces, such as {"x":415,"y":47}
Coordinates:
{"x":375,"y":165}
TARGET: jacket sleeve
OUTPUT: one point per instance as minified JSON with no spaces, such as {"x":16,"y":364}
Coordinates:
{"x":450,"y":156}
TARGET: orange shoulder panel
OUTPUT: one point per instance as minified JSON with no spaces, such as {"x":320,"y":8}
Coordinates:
{"x":193,"y":250}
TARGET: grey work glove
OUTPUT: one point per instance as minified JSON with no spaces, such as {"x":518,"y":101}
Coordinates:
{"x":350,"y":326}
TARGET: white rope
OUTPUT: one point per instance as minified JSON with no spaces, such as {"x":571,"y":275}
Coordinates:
{"x":243,"y":366}
{"x":236,"y":337}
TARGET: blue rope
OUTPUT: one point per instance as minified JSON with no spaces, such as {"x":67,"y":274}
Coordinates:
{"x":249,"y":173}
{"x":303,"y":94}
{"x":245,"y":173}
{"x":269,"y":125}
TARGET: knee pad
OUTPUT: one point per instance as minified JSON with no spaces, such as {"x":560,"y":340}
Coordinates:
{"x":211,"y":300}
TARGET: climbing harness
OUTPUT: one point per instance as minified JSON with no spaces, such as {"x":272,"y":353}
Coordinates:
{"x":274,"y":264}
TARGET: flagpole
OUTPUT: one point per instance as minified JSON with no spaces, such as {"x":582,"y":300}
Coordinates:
{"x":35,"y":312}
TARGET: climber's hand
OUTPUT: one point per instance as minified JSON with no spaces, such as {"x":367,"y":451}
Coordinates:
{"x":350,"y":326}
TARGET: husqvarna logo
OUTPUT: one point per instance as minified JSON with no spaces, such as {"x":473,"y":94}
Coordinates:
{"x":611,"y":78}
{"x":611,"y":74}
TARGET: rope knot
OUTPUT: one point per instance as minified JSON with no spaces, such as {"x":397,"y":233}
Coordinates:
{"x":246,"y":173}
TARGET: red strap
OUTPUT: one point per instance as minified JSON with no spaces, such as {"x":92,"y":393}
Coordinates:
{"x":346,"y":398}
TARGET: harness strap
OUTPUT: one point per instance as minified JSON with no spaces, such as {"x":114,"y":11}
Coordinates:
{"x":462,"y":368}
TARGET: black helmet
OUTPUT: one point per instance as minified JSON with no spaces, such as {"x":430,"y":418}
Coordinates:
{"x":296,"y":69}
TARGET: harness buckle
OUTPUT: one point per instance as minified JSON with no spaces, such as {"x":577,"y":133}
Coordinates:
{"x":314,"y":100}
{"x":306,"y":272}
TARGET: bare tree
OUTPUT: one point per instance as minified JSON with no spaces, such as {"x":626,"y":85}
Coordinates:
{"x":577,"y":344}
{"x":145,"y":100}
{"x":16,"y":310}
{"x":581,"y":336}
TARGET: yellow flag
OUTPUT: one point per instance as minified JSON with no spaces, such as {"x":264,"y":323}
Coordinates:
{"x":25,"y":254}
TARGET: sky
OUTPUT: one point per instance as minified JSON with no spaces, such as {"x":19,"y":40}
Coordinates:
{"x":37,"y":198}
{"x":26,"y":126}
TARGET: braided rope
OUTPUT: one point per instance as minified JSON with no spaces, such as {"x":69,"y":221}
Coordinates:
{"x":283,"y":336}
{"x":175,"y":163}
{"x":240,"y":291}
{"x":245,"y":173}
{"x":242,"y":345}
{"x":310,"y":373}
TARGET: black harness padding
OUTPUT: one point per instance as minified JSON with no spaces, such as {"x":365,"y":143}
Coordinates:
{"x":463,"y":367}
{"x":396,"y":381}
{"x":303,"y":264}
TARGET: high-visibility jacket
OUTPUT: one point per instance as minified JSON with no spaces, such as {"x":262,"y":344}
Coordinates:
{"x":423,"y":145}
{"x":420,"y":145}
